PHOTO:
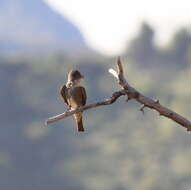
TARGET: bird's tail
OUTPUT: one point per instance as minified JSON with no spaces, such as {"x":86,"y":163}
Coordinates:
{"x":79,"y":122}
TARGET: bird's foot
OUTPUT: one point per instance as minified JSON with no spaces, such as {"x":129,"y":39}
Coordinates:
{"x":68,"y":109}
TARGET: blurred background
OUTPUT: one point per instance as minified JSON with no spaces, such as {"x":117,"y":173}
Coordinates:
{"x":121,"y":149}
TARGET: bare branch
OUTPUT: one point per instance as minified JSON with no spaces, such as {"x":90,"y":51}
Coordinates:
{"x":120,"y":67}
{"x":109,"y":101}
{"x":114,"y":73}
{"x":148,"y":102}
{"x":142,"y":109}
{"x":131,"y":94}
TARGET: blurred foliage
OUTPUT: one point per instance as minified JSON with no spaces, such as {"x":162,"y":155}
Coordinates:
{"x":121,"y":148}
{"x":145,"y":52}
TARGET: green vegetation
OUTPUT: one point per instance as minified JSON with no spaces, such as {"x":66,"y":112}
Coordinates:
{"x":121,"y":148}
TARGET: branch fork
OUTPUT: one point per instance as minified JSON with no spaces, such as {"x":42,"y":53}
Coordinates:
{"x":131,"y":93}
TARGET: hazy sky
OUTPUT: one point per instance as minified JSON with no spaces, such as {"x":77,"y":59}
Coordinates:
{"x":108,"y":25}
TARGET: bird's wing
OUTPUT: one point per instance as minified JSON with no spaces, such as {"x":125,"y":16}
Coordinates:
{"x":63,"y":93}
{"x":79,"y":94}
{"x":84,"y":95}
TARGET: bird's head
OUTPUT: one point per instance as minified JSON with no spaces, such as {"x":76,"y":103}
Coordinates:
{"x":74,"y":75}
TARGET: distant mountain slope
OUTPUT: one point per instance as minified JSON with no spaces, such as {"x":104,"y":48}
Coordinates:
{"x":33,"y":25}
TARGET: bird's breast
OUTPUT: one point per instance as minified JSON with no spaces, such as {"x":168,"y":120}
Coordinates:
{"x":72,"y":98}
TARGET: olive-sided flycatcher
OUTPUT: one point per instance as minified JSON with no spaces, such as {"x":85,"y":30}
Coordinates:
{"x":74,"y":95}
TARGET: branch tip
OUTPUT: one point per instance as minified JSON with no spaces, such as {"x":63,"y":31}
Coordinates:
{"x":118,"y":60}
{"x":119,"y":66}
{"x":142,"y":108}
{"x":157,"y":101}
{"x":114,"y":73}
{"x":128,"y":98}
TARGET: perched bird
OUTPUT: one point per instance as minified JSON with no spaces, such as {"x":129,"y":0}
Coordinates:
{"x":74,"y":95}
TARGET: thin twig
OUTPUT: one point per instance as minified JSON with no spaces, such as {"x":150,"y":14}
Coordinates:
{"x":142,"y":109}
